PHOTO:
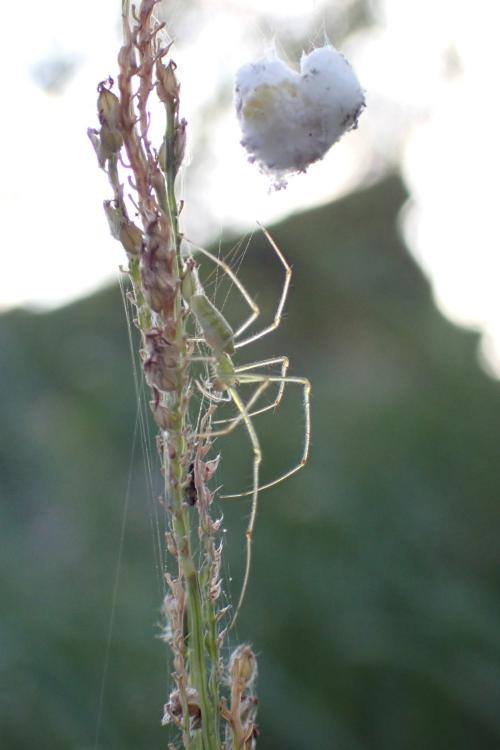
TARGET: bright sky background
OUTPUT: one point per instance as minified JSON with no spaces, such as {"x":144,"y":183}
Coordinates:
{"x":430,"y":69}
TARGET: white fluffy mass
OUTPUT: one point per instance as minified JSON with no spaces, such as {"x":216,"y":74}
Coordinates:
{"x":290,"y":119}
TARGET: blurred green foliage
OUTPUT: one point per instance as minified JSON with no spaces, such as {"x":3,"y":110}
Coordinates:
{"x":374,"y":598}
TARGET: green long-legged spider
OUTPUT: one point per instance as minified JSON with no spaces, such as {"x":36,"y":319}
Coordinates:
{"x":225,"y":377}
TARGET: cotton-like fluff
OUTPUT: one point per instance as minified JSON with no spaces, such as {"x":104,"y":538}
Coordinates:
{"x":290,"y":120}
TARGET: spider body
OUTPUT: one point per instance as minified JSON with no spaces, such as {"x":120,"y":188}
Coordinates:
{"x":217,"y":332}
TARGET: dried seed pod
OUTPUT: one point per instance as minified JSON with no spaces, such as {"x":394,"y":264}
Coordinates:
{"x":158,"y":241}
{"x":190,"y":283}
{"x":156,"y":265}
{"x":122,"y":228}
{"x":108,"y":110}
{"x":180,"y":143}
{"x":242,"y":667}
{"x":108,"y":106}
{"x":179,"y":148}
{"x":161,"y":359}
{"x":162,"y":416}
{"x":130,"y":237}
{"x":167,"y":84}
{"x":158,"y":291}
{"x":162,"y":156}
{"x":111,"y":142}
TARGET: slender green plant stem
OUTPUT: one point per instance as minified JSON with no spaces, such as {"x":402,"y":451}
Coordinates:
{"x":177,"y":449}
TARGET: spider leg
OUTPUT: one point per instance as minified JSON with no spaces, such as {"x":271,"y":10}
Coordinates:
{"x":257,"y":458}
{"x":245,"y":294}
{"x":210,"y":395}
{"x":306,"y":385}
{"x":284,"y":361}
{"x":281,"y":304}
{"x":243,"y":411}
{"x":244,"y":417}
{"x":255,"y":310}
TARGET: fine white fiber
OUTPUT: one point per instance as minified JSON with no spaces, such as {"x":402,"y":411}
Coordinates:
{"x":291,"y":119}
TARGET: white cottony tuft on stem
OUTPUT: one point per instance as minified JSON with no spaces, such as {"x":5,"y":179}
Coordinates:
{"x":290,"y":119}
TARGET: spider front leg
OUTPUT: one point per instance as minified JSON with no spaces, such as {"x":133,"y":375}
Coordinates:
{"x":257,"y":458}
{"x":246,"y":295}
{"x":281,"y":304}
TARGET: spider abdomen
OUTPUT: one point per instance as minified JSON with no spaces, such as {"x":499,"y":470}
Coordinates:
{"x":216,"y":330}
